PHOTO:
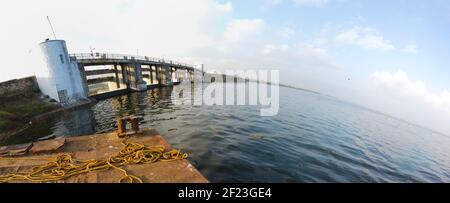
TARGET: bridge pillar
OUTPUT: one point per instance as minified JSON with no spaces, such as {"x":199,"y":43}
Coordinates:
{"x":151,"y":74}
{"x":132,"y":76}
{"x":117,"y":76}
{"x":175,"y":75}
{"x":141,"y":85}
{"x":125,"y":76}
{"x":168,"y":72}
{"x":84,"y":83}
{"x":158,"y":74}
{"x":191,"y":76}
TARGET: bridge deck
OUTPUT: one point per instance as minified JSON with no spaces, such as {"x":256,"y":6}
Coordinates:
{"x":108,"y":59}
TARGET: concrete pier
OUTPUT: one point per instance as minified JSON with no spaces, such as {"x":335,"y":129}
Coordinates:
{"x":100,"y":147}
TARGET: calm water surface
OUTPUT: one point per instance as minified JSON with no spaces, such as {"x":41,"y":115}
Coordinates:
{"x":314,"y":138}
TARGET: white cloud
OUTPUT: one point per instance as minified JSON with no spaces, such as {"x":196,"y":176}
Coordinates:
{"x":242,"y":29}
{"x":311,"y":51}
{"x":287,"y":32}
{"x":226,"y":7}
{"x":238,"y":33}
{"x":310,"y":3}
{"x":366,"y":37}
{"x":273,"y":2}
{"x":315,"y":3}
{"x":411,"y":48}
{"x":320,"y":41}
{"x":270,"y":48}
{"x":402,"y":86}
{"x":237,"y":46}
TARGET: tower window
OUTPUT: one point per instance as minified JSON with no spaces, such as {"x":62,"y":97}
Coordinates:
{"x":62,"y":58}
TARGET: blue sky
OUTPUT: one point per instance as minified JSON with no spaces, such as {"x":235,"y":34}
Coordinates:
{"x":395,"y":52}
{"x":423,"y":23}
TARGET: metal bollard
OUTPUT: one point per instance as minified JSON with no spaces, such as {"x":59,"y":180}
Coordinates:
{"x":134,"y":124}
{"x":122,"y":126}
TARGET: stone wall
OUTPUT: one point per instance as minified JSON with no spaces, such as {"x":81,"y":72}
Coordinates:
{"x":19,"y":85}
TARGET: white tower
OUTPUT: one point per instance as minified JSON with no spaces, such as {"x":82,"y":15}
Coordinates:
{"x":64,"y":82}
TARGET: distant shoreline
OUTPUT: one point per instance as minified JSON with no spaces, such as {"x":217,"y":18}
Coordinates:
{"x":258,"y":81}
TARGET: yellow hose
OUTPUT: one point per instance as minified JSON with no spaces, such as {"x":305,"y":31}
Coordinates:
{"x":65,"y":166}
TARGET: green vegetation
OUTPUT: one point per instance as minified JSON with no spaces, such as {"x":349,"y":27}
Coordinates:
{"x":17,"y":108}
{"x":40,"y":127}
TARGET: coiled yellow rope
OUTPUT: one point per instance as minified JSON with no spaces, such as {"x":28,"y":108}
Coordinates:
{"x":65,"y":166}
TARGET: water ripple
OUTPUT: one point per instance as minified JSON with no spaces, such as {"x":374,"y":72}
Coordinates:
{"x":314,"y":138}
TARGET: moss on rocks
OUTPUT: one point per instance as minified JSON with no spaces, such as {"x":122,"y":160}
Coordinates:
{"x":16,"y":109}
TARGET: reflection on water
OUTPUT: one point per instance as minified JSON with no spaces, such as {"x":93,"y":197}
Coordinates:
{"x":314,"y":138}
{"x":69,"y":123}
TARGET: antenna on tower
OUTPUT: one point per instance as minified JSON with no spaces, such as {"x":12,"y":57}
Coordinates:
{"x":49,"y":22}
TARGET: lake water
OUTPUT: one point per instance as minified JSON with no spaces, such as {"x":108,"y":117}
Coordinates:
{"x":314,"y":138}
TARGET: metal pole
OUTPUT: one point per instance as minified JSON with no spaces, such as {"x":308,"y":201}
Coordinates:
{"x":48,"y":19}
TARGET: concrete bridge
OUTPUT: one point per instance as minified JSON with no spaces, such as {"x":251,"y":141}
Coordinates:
{"x":74,"y":77}
{"x":130,"y":72}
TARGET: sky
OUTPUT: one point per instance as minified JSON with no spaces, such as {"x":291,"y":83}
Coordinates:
{"x":388,"y":55}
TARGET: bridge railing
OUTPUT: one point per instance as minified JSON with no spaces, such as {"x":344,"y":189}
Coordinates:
{"x":106,"y":56}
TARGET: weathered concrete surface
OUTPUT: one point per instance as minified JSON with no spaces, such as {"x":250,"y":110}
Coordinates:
{"x":47,"y":146}
{"x":15,"y":150}
{"x":102,"y":146}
